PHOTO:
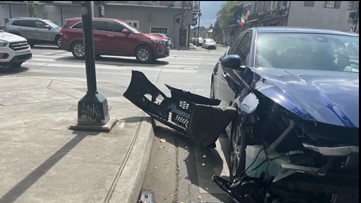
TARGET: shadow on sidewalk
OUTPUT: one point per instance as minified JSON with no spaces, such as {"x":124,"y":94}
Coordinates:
{"x":42,"y":169}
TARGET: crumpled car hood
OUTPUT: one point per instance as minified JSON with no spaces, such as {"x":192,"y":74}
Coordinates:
{"x":324,"y":96}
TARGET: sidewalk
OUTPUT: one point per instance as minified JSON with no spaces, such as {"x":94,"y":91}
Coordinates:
{"x":43,"y":161}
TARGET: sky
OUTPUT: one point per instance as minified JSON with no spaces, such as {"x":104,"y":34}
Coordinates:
{"x":209,"y":11}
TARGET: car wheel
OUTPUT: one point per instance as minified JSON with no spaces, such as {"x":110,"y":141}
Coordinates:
{"x":58,"y":41}
{"x":237,"y":156}
{"x":144,"y":54}
{"x":77,"y":49}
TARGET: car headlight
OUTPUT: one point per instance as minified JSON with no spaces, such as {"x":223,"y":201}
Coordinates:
{"x":3,"y":43}
{"x":158,"y":41}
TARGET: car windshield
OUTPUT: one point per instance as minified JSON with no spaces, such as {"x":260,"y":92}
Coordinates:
{"x":308,"y":51}
{"x":131,"y":28}
{"x":52,"y":24}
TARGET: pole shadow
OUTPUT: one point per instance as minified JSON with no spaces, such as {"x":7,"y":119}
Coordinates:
{"x":42,"y":169}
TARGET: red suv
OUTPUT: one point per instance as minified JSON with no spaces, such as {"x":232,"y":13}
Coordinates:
{"x":113,"y":37}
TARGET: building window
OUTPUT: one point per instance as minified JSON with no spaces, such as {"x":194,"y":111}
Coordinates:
{"x":159,"y":30}
{"x":332,"y":4}
{"x":351,"y":5}
{"x":308,"y":3}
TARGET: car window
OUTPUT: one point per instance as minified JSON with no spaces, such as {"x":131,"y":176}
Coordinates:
{"x":99,"y":25}
{"x":234,"y":45}
{"x":51,"y":23}
{"x":131,"y":28}
{"x":39,"y":24}
{"x":114,"y":27}
{"x":25,"y":23}
{"x":244,"y":47}
{"x":79,"y":25}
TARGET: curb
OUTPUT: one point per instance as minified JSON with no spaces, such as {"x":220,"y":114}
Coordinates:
{"x":131,"y":176}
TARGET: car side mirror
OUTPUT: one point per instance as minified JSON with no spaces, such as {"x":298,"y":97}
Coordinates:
{"x":126,"y":31}
{"x":47,"y":27}
{"x":231,"y":61}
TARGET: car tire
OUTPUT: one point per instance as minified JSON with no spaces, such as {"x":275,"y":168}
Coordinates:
{"x":77,"y":49}
{"x":237,"y":156}
{"x":58,"y":41}
{"x":144,"y":54}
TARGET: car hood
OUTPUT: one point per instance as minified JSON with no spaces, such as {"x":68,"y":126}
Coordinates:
{"x":330,"y":97}
{"x":210,"y":43}
{"x":154,"y":36}
{"x":8,"y":37}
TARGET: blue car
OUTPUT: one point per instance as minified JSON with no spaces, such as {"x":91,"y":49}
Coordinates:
{"x":296,"y":134}
{"x":288,"y":100}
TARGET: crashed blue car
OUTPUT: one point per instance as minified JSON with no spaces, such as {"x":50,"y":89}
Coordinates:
{"x":288,"y":100}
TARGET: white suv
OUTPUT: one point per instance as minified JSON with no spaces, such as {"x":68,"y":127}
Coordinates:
{"x":14,"y":50}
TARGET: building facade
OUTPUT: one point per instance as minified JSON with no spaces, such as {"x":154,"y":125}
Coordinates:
{"x":166,"y":17}
{"x":335,"y":15}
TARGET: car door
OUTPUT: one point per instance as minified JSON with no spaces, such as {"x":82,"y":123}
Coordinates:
{"x":222,"y":89}
{"x":124,"y":44}
{"x":24,"y":28}
{"x":239,"y":79}
{"x":101,"y":41}
{"x":41,"y":31}
{"x":116,"y":39}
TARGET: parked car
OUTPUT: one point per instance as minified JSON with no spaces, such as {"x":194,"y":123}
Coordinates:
{"x":113,"y":37}
{"x":193,"y":40}
{"x":199,"y":41}
{"x":14,"y":50}
{"x":209,"y":44}
{"x":288,"y":101}
{"x":170,"y":42}
{"x":35,"y":30}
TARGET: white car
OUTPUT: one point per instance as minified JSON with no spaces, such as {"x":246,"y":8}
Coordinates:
{"x":209,"y":44}
{"x":14,"y":50}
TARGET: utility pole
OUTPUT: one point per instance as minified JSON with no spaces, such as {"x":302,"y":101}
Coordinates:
{"x":93,"y":107}
{"x":199,"y":23}
{"x":181,"y":41}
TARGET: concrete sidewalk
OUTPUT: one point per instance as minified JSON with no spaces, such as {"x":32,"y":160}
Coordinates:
{"x":43,"y":161}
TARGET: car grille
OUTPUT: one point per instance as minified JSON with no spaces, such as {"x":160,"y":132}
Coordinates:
{"x":23,"y":57}
{"x":19,"y":45}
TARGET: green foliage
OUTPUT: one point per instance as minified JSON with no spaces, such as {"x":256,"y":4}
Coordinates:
{"x":225,"y":14}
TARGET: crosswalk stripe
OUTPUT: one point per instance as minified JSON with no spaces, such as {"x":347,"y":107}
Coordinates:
{"x":111,"y":67}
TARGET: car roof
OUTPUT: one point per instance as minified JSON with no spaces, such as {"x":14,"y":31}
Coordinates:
{"x":96,"y":18}
{"x":26,"y":18}
{"x":300,"y":30}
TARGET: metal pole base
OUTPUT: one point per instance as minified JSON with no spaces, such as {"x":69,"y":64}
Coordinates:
{"x":93,"y":114}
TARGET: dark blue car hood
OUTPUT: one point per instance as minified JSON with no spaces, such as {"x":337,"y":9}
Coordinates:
{"x":324,"y":96}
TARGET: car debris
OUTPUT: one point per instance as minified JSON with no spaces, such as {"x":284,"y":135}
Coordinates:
{"x":197,"y":117}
